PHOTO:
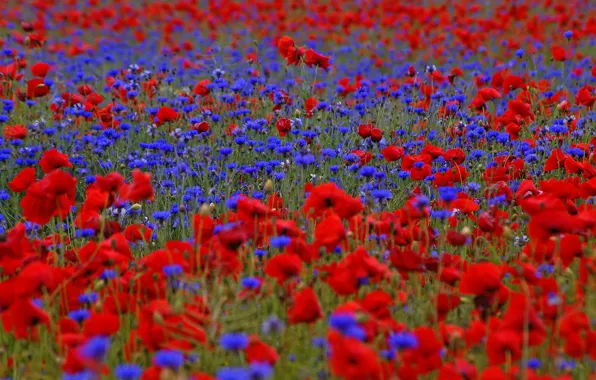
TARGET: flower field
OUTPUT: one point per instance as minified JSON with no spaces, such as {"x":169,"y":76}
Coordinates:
{"x":297,"y":189}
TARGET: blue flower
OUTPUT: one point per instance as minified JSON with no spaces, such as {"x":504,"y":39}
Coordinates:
{"x":96,"y":348}
{"x":234,"y":341}
{"x":403,"y":341}
{"x":231,"y":373}
{"x":250,"y":282}
{"x":169,"y":359}
{"x":172,"y":270}
{"x":79,"y":315}
{"x":128,"y":371}
{"x":280,"y":241}
{"x":260,"y":371}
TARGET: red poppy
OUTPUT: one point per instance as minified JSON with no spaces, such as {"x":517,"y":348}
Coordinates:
{"x":137,"y":232}
{"x":139,"y":190}
{"x":22,"y":319}
{"x":283,"y":267}
{"x":201,"y":88}
{"x":481,"y":278}
{"x":558,"y":53}
{"x":260,"y":352}
{"x":306,"y":307}
{"x":36,"y":88}
{"x":17,"y":131}
{"x":352,"y":359}
{"x":166,"y":114}
{"x":284,"y":45}
{"x":549,"y":223}
{"x":52,"y":159}
{"x":312,"y":58}
{"x":330,"y":232}
{"x":328,"y":196}
{"x":54,"y":195}
{"x":392,"y":153}
{"x":104,"y":324}
{"x":22,"y":180}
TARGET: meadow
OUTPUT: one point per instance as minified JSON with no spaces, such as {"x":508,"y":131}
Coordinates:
{"x":300,"y":189}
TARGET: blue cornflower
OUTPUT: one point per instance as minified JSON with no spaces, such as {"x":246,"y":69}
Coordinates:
{"x":342,"y":321}
{"x":128,"y":372}
{"x":568,"y":34}
{"x":169,"y":359}
{"x":79,"y":315}
{"x":272,"y":325}
{"x":367,"y":171}
{"x":403,"y":341}
{"x":381,"y":194}
{"x":280,"y":241}
{"x":447,"y":194}
{"x":231,"y":373}
{"x":95,"y":348}
{"x":250,"y":282}
{"x":259,"y":371}
{"x":172,"y":270}
{"x":534,"y":363}
{"x":234,"y":341}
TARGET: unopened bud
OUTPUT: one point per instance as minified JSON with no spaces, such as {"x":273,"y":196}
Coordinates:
{"x":204,"y":209}
{"x":269,"y":185}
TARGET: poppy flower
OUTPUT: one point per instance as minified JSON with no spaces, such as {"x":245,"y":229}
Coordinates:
{"x":549,"y":223}
{"x":201,"y":88}
{"x":139,"y":190}
{"x":330,"y":232}
{"x":54,"y":195}
{"x":101,"y":324}
{"x":558,"y":53}
{"x":392,"y":153}
{"x":22,"y":180}
{"x":306,"y":307}
{"x":52,"y":159}
{"x":504,"y":345}
{"x":312,"y":58}
{"x":259,"y":352}
{"x":481,"y":278}
{"x":352,"y":359}
{"x":166,"y":114}
{"x":284,"y":44}
{"x":36,"y":88}
{"x":17,"y":131}
{"x":283,"y":267}
{"x":22,"y":319}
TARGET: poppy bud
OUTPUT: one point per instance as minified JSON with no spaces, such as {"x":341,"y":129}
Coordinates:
{"x":212,"y":206}
{"x":466,"y":231}
{"x":204,"y":209}
{"x":269,"y":185}
{"x":158,"y":318}
{"x":507,"y":232}
{"x":136,"y":207}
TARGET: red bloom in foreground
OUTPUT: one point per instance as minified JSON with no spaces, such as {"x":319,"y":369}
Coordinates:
{"x":53,"y":196}
{"x":139,"y":190}
{"x":392,"y":153}
{"x":312,"y":58}
{"x":481,"y":278}
{"x":306,"y":307}
{"x":284,"y":44}
{"x":17,"y":131}
{"x":22,"y":319}
{"x":40,"y":69}
{"x":22,"y":180}
{"x":52,"y":160}
{"x":352,"y":359}
{"x":166,"y":114}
